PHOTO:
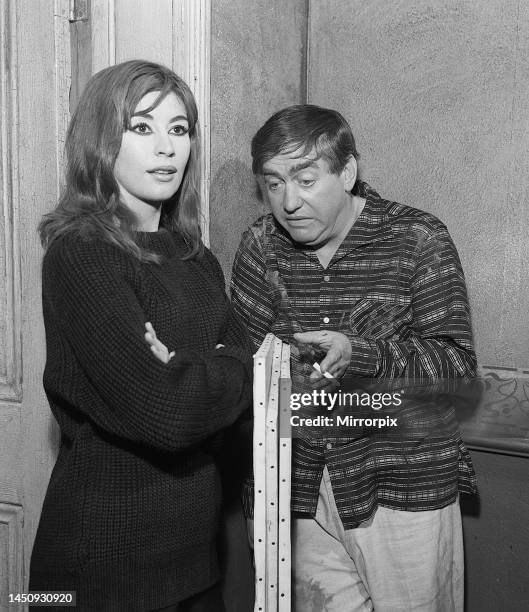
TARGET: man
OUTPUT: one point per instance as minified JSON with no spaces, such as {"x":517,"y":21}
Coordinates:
{"x":378,"y":288}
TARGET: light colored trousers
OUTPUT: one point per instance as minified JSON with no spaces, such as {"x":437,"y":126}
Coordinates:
{"x":395,"y":562}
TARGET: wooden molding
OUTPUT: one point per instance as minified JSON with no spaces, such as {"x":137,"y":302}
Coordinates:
{"x":11,"y":552}
{"x":10,"y":292}
{"x":63,"y":81}
{"x":191,"y":60}
{"x":103,"y":18}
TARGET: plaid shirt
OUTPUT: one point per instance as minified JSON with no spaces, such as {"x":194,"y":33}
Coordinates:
{"x":395,"y":288}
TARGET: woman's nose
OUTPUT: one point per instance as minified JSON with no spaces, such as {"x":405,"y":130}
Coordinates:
{"x":164,"y":145}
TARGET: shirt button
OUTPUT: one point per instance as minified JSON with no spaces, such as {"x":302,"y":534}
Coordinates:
{"x":328,"y":446}
{"x":326,"y":319}
{"x":326,"y":278}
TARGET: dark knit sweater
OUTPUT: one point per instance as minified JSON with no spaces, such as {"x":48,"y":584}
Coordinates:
{"x":131,"y":513}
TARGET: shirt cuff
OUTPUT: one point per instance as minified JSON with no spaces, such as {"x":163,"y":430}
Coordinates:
{"x":365,"y":357}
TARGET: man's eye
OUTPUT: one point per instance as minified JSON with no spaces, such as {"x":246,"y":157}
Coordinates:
{"x":179,"y":130}
{"x":306,"y":182}
{"x":141,"y":128}
{"x":273,"y":186}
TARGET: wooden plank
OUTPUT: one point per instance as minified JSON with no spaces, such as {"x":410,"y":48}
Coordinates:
{"x":285,"y":481}
{"x":103,"y":34}
{"x":81,"y":62}
{"x":191,"y":60}
{"x":261,"y":385}
{"x":41,"y":78}
{"x":10,"y":290}
{"x":272,"y":469}
{"x":143,"y":30}
{"x":272,"y":497}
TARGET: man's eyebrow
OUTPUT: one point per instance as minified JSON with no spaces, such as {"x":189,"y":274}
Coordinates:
{"x":302,"y":166}
{"x":295,"y":168}
{"x":271,"y":173}
{"x":149,"y":116}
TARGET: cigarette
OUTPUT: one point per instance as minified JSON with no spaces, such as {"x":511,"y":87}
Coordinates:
{"x":325,"y":374}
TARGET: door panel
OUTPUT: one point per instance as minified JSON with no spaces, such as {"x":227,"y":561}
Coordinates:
{"x":34,"y":76}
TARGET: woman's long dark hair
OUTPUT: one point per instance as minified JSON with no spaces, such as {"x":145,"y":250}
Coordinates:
{"x":90,"y":204}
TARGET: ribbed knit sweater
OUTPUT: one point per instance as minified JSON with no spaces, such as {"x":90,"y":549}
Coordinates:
{"x":131,"y":514}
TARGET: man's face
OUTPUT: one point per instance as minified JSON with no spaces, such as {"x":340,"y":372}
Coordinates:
{"x":309,"y":202}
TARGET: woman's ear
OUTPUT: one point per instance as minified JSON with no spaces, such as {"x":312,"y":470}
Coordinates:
{"x":349,"y":173}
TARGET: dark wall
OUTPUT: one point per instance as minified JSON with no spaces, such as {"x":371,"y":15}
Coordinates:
{"x":496,"y":533}
{"x":257,"y":67}
{"x":437,"y":93}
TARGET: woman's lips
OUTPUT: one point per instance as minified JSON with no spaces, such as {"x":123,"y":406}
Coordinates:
{"x":163,"y":170}
{"x":164,"y":174}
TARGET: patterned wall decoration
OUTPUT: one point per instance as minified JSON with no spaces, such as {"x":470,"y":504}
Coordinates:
{"x":499,"y":419}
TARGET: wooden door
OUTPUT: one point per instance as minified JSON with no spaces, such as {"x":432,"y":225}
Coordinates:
{"x":34,"y":85}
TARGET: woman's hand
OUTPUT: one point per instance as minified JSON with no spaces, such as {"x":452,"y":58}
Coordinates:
{"x":158,"y":348}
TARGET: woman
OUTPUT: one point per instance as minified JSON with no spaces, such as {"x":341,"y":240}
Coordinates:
{"x":130,"y":516}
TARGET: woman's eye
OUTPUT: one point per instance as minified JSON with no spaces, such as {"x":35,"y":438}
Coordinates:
{"x":180,"y":130}
{"x":141,"y":128}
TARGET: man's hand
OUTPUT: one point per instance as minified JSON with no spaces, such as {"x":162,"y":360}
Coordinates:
{"x":160,"y":351}
{"x":338,"y":349}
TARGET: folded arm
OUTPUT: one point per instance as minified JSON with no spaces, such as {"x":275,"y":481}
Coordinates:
{"x":169,"y":406}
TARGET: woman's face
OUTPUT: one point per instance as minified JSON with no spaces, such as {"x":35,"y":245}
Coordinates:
{"x":152,"y":159}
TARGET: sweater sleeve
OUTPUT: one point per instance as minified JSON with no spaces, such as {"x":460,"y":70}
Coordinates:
{"x":87,"y":291}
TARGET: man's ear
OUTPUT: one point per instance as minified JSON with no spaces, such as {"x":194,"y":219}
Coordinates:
{"x":350,"y":172}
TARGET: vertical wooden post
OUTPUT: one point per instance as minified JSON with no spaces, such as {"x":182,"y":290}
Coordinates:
{"x":285,"y":469}
{"x":271,"y":485}
{"x":272,"y":459}
{"x":262,"y":370}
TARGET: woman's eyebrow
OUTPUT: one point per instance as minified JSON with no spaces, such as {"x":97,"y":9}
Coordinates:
{"x":149,"y":116}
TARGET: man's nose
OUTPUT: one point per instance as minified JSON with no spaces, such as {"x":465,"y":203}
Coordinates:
{"x":164,"y":145}
{"x":291,"y":198}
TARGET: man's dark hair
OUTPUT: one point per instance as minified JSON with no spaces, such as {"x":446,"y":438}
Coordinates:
{"x":305,"y":127}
